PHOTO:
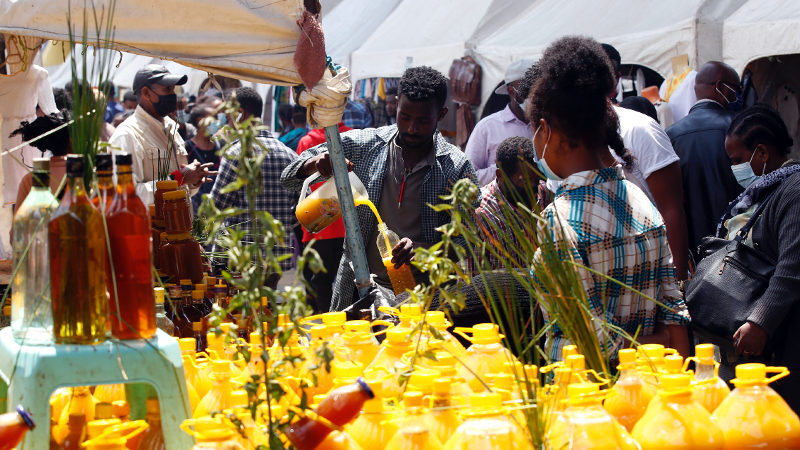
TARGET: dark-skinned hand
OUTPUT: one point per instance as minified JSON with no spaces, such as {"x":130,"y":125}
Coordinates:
{"x":322,"y":164}
{"x":750,"y":339}
{"x":402,"y":253}
{"x":196,"y":173}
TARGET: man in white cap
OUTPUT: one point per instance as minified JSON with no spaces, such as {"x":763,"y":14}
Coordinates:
{"x":494,"y":129}
{"x":152,"y":137}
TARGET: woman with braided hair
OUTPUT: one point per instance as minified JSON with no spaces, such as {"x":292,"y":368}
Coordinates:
{"x":758,"y":144}
{"x":598,"y":218}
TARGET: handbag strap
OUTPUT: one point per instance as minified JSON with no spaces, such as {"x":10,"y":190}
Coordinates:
{"x":746,"y":228}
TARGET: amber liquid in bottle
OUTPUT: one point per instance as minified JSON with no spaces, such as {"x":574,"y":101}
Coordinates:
{"x":105,"y":183}
{"x":129,"y":235}
{"x":78,"y":264}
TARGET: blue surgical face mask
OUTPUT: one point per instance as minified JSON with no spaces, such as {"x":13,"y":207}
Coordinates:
{"x":736,"y":105}
{"x":744,"y":172}
{"x":222,"y":119}
{"x":213,"y":127}
{"x":542,"y":163}
{"x":182,"y":116}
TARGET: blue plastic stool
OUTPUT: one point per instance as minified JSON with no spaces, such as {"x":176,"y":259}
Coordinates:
{"x":40,"y":370}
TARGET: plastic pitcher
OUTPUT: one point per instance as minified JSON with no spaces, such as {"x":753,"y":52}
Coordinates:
{"x":320,"y":209}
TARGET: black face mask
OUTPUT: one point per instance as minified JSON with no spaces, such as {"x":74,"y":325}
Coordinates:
{"x":167,"y":104}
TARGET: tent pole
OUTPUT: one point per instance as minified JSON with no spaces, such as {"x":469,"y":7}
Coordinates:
{"x":352,"y":226}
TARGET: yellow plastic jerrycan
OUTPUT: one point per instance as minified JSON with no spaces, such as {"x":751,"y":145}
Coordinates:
{"x":196,"y":377}
{"x":439,"y":322}
{"x":389,"y":357}
{"x":586,"y":425}
{"x":754,"y":415}
{"x":103,"y":418}
{"x":414,"y":432}
{"x":374,"y":427}
{"x":253,"y":436}
{"x":677,"y":421}
{"x":421,"y":380}
{"x":554,"y":395}
{"x":627,"y":401}
{"x":708,"y":388}
{"x":321,"y":208}
{"x":211,"y":434}
{"x":650,"y":361}
{"x":345,"y":372}
{"x":442,"y":418}
{"x":219,"y":396}
{"x":486,"y":354}
{"x":81,"y":401}
{"x":446,"y":364}
{"x":359,"y":339}
{"x":115,"y":437}
{"x":487,"y":426}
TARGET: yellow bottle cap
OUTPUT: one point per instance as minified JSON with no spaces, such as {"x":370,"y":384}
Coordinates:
{"x":239,"y":398}
{"x":174,"y":195}
{"x":201,"y":287}
{"x":423,"y":379}
{"x":435,"y":318}
{"x":320,"y":332}
{"x":187,"y":344}
{"x":444,"y":359}
{"x":185,"y":282}
{"x":410,"y":310}
{"x":485,"y":333}
{"x":225,"y":327}
{"x":751,"y":371}
{"x":166,"y":185}
{"x":103,"y":411}
{"x":376,"y":386}
{"x":96,"y":427}
{"x":255,"y":338}
{"x":346,"y":369}
{"x":218,"y":435}
{"x":673,"y":363}
{"x":264,"y":302}
{"x":504,"y":381}
{"x":576,"y":362}
{"x":513,"y":367}
{"x":577,"y":390}
{"x":197,"y":295}
{"x":356,"y":326}
{"x":334,"y":318}
{"x":397,"y":336}
{"x":569,"y":350}
{"x":652,"y":350}
{"x":532,"y":371}
{"x":442,"y":385}
{"x":159,"y":295}
{"x":211,"y":281}
{"x":627,"y":356}
{"x":486,"y":400}
{"x":6,"y":311}
{"x":704,"y":351}
{"x":152,"y":405}
{"x":221,"y":366}
{"x":152,"y":208}
{"x":121,"y":408}
{"x":214,"y":340}
{"x":412,"y":399}
{"x":675,"y":381}
{"x":197,"y":326}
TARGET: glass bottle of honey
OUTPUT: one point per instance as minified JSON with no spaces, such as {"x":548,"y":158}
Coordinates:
{"x":77,"y":263}
{"x":105,"y":184}
{"x":131,"y":286}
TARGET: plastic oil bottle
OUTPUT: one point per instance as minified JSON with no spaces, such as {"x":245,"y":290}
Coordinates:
{"x":677,"y":421}
{"x":754,"y":415}
{"x":81,"y":402}
{"x":586,"y":425}
{"x":627,"y":401}
{"x":153,"y":438}
{"x":401,"y":278}
{"x":414,"y":431}
{"x":389,"y":356}
{"x":650,"y":361}
{"x":109,"y":393}
{"x":359,"y":340}
{"x":116,"y":437}
{"x":103,"y":418}
{"x":437,"y":320}
{"x":443,"y":419}
{"x":486,"y":354}
{"x":708,"y":388}
{"x":219,"y":396}
{"x":76,"y":432}
{"x":446,"y":364}
{"x":487,"y":426}
{"x":373,"y":429}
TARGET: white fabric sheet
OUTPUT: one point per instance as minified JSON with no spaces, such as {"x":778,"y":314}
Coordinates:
{"x":761,"y":28}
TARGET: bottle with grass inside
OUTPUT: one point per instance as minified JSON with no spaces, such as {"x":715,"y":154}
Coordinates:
{"x":401,"y":278}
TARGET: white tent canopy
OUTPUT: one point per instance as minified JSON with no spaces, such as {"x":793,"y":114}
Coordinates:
{"x":761,"y":28}
{"x":646,"y":32}
{"x":252,"y":40}
{"x":432,"y":33}
{"x":351,"y":23}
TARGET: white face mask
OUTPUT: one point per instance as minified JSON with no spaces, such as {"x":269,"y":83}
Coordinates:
{"x":744,"y":172}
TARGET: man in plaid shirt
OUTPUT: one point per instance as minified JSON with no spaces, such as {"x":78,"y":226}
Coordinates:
{"x":274,"y":199}
{"x":405,"y":167}
{"x":356,"y":115}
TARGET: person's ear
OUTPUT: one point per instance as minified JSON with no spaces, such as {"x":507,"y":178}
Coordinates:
{"x":442,"y":113}
{"x":498,"y":173}
{"x":762,"y":152}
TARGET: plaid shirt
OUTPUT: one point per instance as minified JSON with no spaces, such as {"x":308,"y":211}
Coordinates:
{"x":491,"y":219}
{"x":612,"y":227}
{"x":367,"y":150}
{"x":356,"y":116}
{"x":274,"y":199}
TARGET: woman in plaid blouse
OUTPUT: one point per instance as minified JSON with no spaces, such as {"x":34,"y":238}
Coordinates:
{"x":602,"y":221}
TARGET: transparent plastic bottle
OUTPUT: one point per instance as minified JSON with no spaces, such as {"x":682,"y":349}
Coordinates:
{"x":373,"y":429}
{"x":31,"y":311}
{"x":414,"y":431}
{"x":219,"y":396}
{"x":627,"y":401}
{"x":585,"y":424}
{"x":162,"y":321}
{"x":401,"y":278}
{"x":81,"y":402}
{"x":443,"y":420}
{"x":709,"y":389}
{"x":153,"y":438}
{"x":486,"y":354}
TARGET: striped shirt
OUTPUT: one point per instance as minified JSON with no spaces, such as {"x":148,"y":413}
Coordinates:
{"x":610,"y":226}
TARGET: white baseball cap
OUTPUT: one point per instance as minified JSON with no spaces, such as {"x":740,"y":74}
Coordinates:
{"x":515,"y":71}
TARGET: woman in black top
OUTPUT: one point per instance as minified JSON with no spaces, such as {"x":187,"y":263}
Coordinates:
{"x":202,"y":148}
{"x":758,"y":144}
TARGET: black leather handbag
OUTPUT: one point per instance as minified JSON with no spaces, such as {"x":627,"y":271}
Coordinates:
{"x":728,"y":282}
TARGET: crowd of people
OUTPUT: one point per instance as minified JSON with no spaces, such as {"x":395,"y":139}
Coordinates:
{"x":628,"y":198}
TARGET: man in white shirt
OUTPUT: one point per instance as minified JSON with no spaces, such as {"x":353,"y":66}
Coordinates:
{"x":495,"y":128}
{"x":152,"y":137}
